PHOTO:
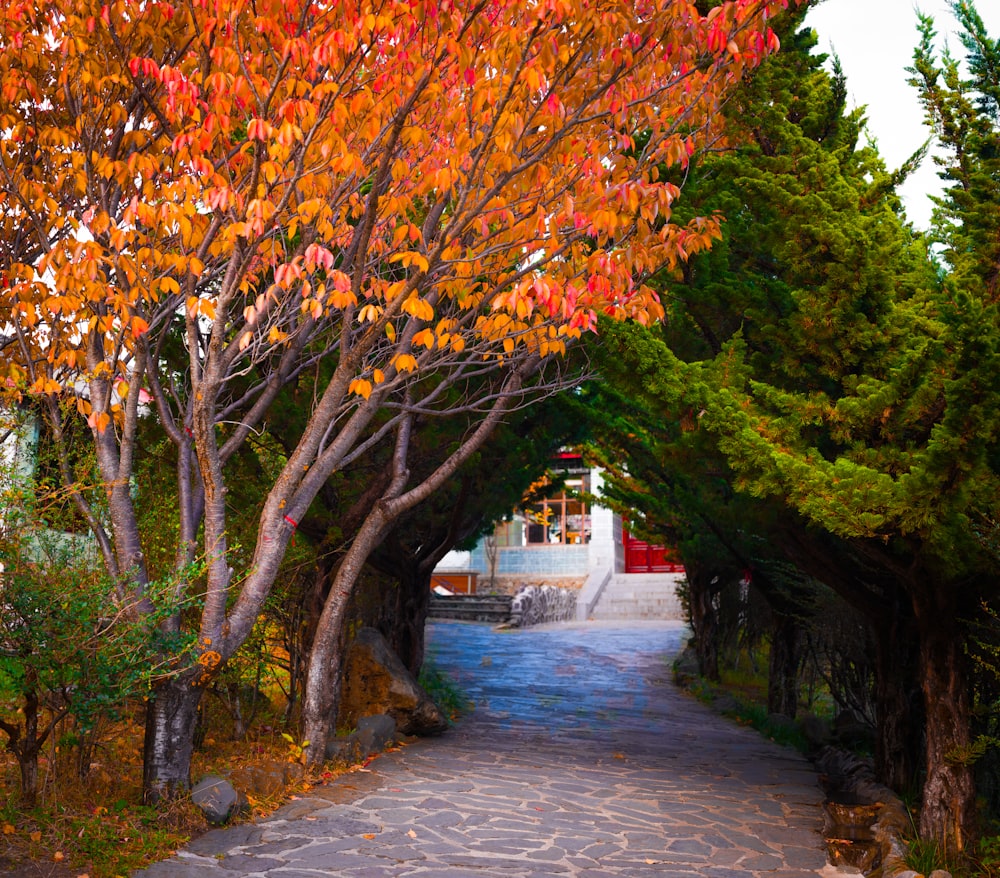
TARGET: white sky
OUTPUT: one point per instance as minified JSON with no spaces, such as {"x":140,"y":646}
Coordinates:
{"x":875,"y":41}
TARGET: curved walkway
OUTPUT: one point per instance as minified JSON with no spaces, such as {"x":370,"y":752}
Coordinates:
{"x":581,"y":759}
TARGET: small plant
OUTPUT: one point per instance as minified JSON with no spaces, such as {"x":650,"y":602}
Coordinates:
{"x":781,"y":732}
{"x":296,"y":752}
{"x":988,"y":856}
{"x":924,"y":856}
{"x":445,"y":693}
{"x":971,"y":753}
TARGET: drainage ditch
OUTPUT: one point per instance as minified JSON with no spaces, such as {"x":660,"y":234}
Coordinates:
{"x":850,"y":835}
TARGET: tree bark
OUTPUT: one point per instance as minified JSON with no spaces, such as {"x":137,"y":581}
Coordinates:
{"x":171,"y":717}
{"x":783,"y":666}
{"x":704,"y":621}
{"x":28,"y":763}
{"x":899,"y":719}
{"x":948,"y":807}
{"x":326,"y":660}
{"x":403,"y":624}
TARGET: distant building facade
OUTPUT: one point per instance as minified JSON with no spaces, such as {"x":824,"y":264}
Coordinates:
{"x":557,"y":541}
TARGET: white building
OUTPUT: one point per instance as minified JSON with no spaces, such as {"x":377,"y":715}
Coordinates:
{"x":559,"y":541}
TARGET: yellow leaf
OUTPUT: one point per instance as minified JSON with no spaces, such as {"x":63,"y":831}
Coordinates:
{"x":411,"y":257}
{"x":361,"y":386}
{"x":8,"y":829}
{"x":98,"y":421}
{"x":168,"y":284}
{"x":404,"y":362}
{"x":425,"y":337}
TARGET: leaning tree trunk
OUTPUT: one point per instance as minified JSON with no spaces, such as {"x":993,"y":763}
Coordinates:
{"x":948,"y":806}
{"x":326,"y":660}
{"x":704,"y":619}
{"x":783,"y":665}
{"x":409,"y":617}
{"x":899,"y":720}
{"x":171,"y":717}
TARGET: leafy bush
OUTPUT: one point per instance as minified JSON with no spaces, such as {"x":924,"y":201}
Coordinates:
{"x":69,"y":648}
{"x":443,"y":690}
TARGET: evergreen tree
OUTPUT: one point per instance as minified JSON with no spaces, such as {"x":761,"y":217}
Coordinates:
{"x":837,"y":374}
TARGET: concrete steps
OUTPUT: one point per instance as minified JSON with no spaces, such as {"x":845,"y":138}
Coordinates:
{"x":471,"y":608}
{"x":640,"y":596}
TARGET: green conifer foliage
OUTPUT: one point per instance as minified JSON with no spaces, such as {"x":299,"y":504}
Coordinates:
{"x":834,"y":370}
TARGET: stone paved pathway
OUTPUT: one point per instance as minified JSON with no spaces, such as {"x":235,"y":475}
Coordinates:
{"x":581,"y":759}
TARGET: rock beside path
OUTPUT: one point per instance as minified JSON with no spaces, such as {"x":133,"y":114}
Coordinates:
{"x":217,"y":798}
{"x":377,"y":682}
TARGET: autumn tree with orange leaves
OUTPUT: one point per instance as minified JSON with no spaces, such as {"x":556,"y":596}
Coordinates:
{"x":202,"y":201}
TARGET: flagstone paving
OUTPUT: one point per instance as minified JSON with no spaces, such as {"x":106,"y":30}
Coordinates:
{"x":580,"y":759}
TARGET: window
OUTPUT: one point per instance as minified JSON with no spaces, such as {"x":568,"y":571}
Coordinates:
{"x":563,"y":519}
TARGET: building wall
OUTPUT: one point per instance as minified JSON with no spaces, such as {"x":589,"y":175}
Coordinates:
{"x":18,"y":453}
{"x":18,"y":443}
{"x":565,"y":565}
{"x":534,"y":561}
{"x":606,"y":545}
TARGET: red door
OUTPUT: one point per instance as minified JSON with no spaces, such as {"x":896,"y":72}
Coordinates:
{"x":643,"y":557}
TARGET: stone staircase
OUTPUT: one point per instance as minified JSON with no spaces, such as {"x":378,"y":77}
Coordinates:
{"x":471,"y":608}
{"x":639,"y":596}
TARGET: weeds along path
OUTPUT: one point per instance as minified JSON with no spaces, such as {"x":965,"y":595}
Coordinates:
{"x":580,"y":758}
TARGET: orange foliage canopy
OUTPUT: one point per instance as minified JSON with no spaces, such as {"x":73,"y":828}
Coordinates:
{"x":201,"y":200}
{"x":405,"y":183}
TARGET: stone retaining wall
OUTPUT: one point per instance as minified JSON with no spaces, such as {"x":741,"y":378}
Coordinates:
{"x":538,"y":604}
{"x":513,"y":584}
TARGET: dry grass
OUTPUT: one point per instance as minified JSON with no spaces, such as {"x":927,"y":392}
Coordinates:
{"x":95,"y":826}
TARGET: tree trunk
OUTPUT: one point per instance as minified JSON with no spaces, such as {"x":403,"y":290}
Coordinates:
{"x":28,"y":763}
{"x":26,"y":742}
{"x":899,"y":720}
{"x":783,"y":666}
{"x":704,"y":620}
{"x":948,"y":806}
{"x":324,"y":676}
{"x":27,"y":753}
{"x":326,"y":660}
{"x":409,"y":617}
{"x":171,"y":717}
